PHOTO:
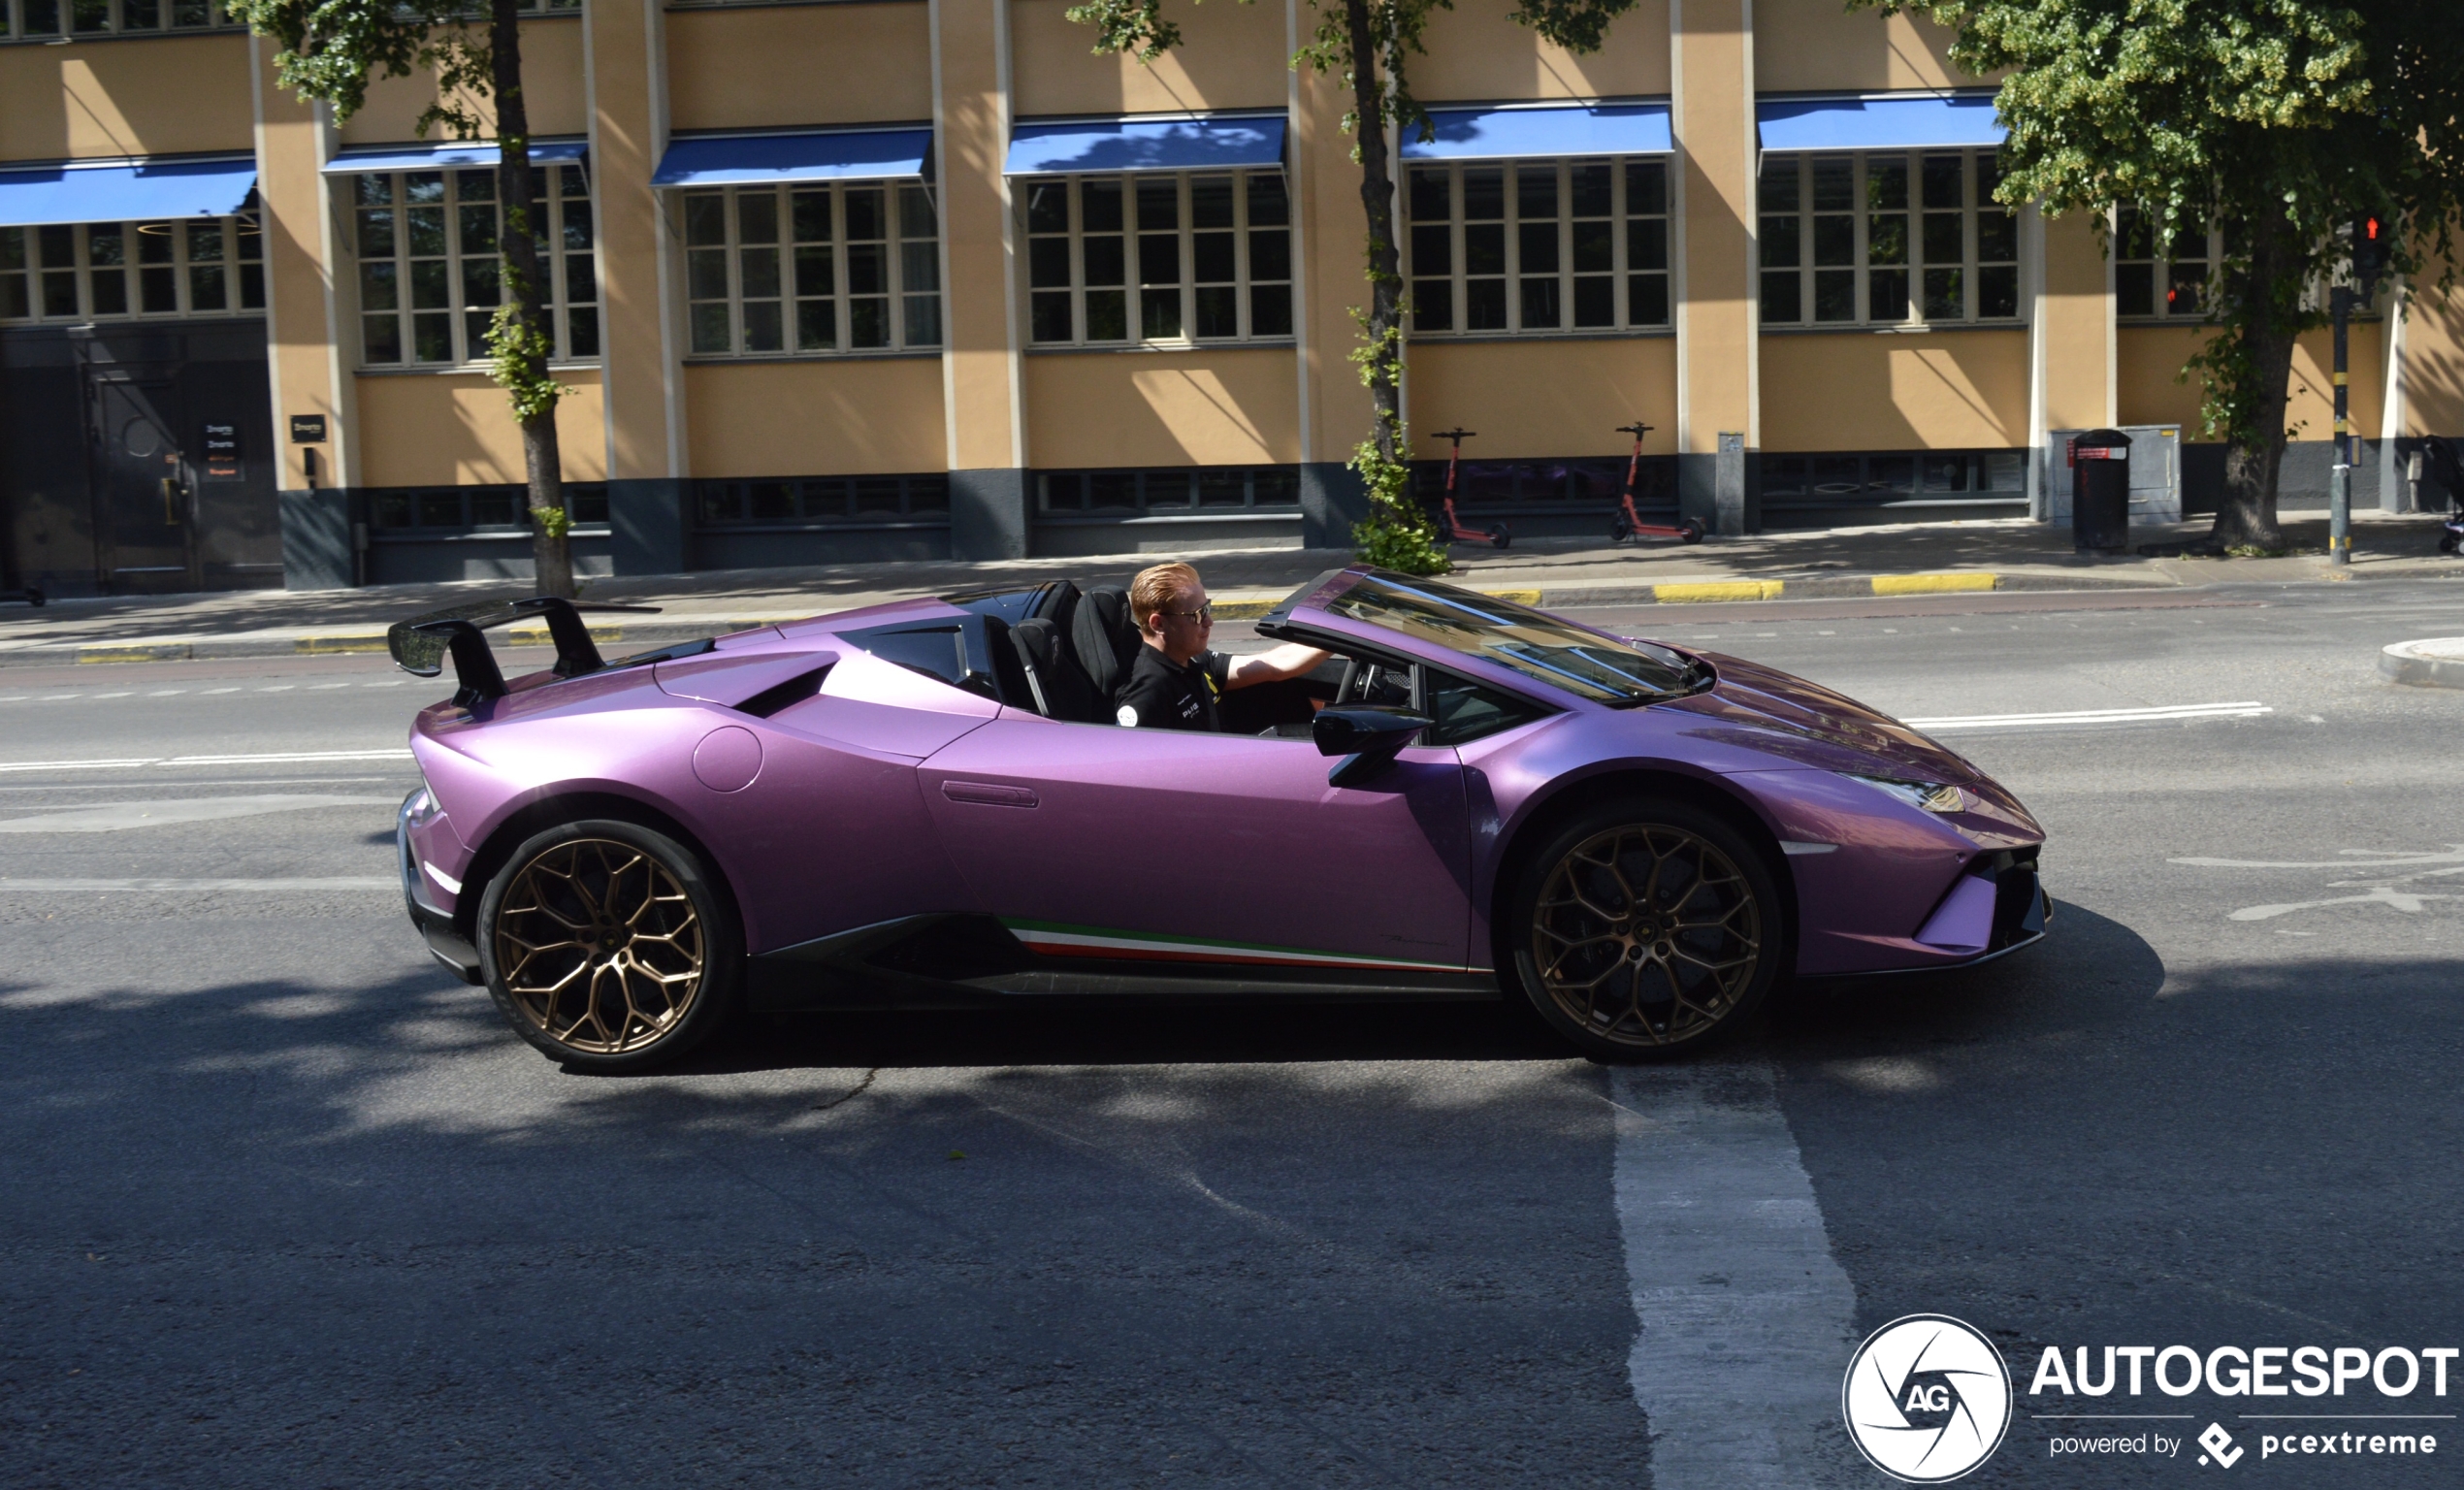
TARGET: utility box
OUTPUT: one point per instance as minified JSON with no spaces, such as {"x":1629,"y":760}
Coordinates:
{"x":2155,"y":473}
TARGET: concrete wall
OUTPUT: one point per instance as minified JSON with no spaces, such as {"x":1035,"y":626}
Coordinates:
{"x":773,"y":67}
{"x":99,"y":99}
{"x":446,"y":428}
{"x":1215,"y":407}
{"x":1893,"y":391}
{"x":552,"y":83}
{"x":870,"y":416}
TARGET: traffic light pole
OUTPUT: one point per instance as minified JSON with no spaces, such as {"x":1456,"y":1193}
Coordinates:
{"x":2340,"y":480}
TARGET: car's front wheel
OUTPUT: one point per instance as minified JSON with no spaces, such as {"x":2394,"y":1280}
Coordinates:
{"x":1643,"y":929}
{"x":609,"y":946}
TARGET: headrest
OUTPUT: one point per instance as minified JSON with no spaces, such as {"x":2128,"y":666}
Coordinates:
{"x":1105,"y":638}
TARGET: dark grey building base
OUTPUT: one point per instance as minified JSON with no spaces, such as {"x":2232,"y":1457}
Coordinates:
{"x":645,"y":527}
{"x":757,"y":548}
{"x":317,"y":540}
{"x":1166,"y":537}
{"x":1722,"y":490}
{"x":987,"y":513}
{"x":1332,"y":499}
{"x":402,"y":558}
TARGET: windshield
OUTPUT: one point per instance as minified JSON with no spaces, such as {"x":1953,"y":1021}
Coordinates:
{"x":1532,"y":643}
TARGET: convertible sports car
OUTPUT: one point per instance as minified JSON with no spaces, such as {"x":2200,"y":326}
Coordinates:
{"x":927,"y":804}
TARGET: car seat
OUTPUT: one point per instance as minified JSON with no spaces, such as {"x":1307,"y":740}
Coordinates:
{"x":1060,"y":687}
{"x":1106,"y":640}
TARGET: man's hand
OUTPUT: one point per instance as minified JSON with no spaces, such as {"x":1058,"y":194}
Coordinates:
{"x":1290,"y":660}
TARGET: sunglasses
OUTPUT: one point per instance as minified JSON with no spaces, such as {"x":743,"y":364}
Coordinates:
{"x":1204,"y":613}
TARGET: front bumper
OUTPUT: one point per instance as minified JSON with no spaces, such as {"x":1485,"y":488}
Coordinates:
{"x":436,"y":926}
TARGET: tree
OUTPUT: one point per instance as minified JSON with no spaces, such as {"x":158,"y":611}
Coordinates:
{"x":1370,"y":43}
{"x":2277,"y":118}
{"x":330,"y":50}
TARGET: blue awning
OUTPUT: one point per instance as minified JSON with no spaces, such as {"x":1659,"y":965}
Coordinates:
{"x":1510,"y":134}
{"x":847,"y":154}
{"x":1178,"y":144}
{"x":125,"y":191}
{"x":1904,"y":122}
{"x":446,"y":155}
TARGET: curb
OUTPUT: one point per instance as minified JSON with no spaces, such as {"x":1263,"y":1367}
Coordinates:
{"x":1246,"y":608}
{"x":2433,"y":662}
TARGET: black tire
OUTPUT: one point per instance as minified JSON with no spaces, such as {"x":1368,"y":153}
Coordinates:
{"x":1689,"y":972}
{"x":1498,"y":536}
{"x":1693,"y":527}
{"x":2447,"y":543}
{"x":1617,"y":529}
{"x":654,"y":961}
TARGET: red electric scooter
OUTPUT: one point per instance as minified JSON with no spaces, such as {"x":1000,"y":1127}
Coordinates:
{"x":1627,"y":523}
{"x":1450,"y":528}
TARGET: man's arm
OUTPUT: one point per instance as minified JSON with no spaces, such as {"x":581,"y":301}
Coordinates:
{"x":1290,"y":660}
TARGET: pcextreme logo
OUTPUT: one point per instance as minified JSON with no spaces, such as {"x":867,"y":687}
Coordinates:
{"x":1926,"y":1399}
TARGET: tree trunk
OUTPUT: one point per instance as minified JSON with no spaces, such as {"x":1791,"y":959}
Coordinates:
{"x":543,"y":465}
{"x":1377,"y":201}
{"x":2253,"y":470}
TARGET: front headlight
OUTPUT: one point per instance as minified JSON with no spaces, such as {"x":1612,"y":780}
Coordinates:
{"x":1932,"y":796}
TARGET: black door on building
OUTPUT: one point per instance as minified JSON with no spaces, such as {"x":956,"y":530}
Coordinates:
{"x":94,"y":420}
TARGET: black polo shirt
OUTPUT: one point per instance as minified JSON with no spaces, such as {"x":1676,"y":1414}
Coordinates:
{"x":1161,"y":697}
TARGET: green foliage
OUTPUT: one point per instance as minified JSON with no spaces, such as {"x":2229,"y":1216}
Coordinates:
{"x":1397,"y":533}
{"x":330,"y":49}
{"x":517,"y":363}
{"x":555,"y":522}
{"x":2276,"y":118}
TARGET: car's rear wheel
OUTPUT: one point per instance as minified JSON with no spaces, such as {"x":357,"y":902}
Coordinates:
{"x":1643,"y":929}
{"x":609,"y":946}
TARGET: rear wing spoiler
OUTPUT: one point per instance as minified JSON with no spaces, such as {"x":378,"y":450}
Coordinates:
{"x":419,"y":646}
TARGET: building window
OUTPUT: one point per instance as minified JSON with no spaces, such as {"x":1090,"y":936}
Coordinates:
{"x":1887,"y":239}
{"x":477,"y":508}
{"x":429,"y":274}
{"x":803,"y":502}
{"x":109,"y":270}
{"x":1158,"y":258}
{"x":1916,"y":478}
{"x":1539,"y":246}
{"x":1585,"y":482}
{"x":2164,"y":278}
{"x":1180,"y":490}
{"x":812,"y":270}
{"x":31,"y":18}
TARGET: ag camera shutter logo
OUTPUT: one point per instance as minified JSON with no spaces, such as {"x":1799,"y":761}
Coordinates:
{"x":1926,"y":1399}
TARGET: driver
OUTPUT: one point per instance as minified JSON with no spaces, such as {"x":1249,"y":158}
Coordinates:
{"x":1177,"y":682}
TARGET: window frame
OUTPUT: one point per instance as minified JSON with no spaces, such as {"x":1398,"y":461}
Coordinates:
{"x":2161,"y":264}
{"x":1976,"y":202}
{"x":1622,"y":272}
{"x":468,"y":346}
{"x":1244,"y":284}
{"x":24,"y":262}
{"x":898,"y":298}
{"x":1192,"y":481}
{"x":923,"y":503}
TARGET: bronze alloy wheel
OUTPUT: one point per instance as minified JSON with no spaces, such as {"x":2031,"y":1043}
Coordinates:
{"x":598,"y":946}
{"x":1648,"y":934}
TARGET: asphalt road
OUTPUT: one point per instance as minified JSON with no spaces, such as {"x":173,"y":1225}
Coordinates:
{"x":287,"y":1205}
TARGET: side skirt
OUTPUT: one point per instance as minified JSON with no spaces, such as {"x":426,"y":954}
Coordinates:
{"x":975,"y":962}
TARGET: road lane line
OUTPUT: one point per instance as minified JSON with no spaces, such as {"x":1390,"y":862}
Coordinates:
{"x":72,"y":766}
{"x":348,"y":882}
{"x":1745,"y":1317}
{"x":118,"y":816}
{"x":283,"y":757}
{"x":2158,"y":714}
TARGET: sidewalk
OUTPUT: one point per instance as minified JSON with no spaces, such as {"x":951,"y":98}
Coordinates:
{"x":2000,"y":554}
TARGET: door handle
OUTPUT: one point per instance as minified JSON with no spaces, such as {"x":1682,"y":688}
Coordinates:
{"x":171,"y":496}
{"x":988,"y":793}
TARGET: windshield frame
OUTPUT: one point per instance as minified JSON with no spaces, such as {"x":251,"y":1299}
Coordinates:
{"x":1687,"y":673}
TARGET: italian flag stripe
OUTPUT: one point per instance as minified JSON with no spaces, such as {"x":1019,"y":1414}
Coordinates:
{"x":1052,"y":939}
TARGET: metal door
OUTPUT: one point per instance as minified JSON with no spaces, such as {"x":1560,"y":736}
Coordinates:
{"x":144,"y":505}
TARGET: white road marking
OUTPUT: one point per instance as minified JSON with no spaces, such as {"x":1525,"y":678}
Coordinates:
{"x":166,"y":693}
{"x":318,"y":687}
{"x":212,"y":691}
{"x":117,"y":817}
{"x":1745,"y":1317}
{"x":278,"y":687}
{"x":2159,"y":714}
{"x":112,"y":695}
{"x":190,"y":886}
{"x":286,"y":757}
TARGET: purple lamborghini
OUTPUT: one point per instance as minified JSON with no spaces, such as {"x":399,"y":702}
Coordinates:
{"x":927,"y":804}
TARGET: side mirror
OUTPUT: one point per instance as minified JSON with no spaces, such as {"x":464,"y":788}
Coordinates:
{"x":1368,"y":736}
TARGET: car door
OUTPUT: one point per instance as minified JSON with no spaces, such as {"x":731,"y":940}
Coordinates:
{"x":1205,"y":850}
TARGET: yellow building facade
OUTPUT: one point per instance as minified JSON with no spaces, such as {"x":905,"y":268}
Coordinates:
{"x":846,"y":280}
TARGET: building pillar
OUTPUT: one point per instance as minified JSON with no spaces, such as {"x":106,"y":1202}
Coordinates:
{"x":1331,"y":237}
{"x":1719,"y":363}
{"x":624,"y":62}
{"x":2071,"y":346}
{"x":308,"y":349}
{"x":983,"y":399}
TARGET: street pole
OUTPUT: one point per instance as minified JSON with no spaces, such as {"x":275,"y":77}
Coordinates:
{"x":2340,"y":480}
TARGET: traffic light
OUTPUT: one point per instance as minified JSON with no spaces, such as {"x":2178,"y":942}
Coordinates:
{"x":2370,"y":233}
